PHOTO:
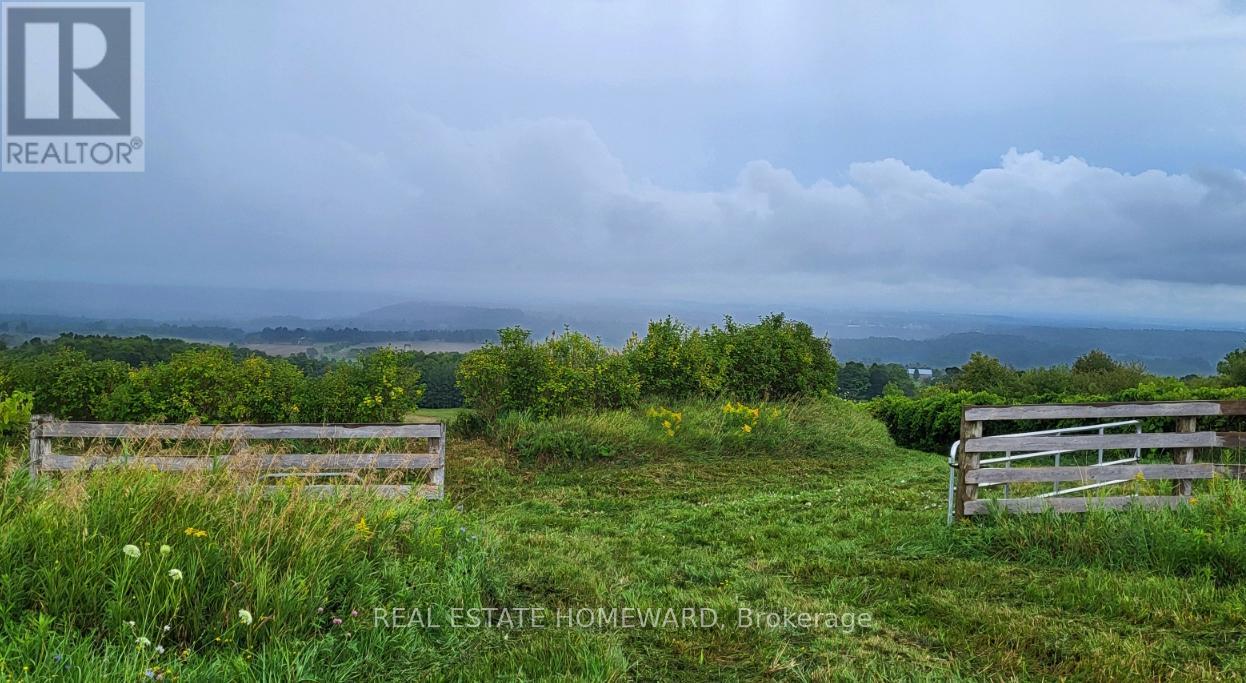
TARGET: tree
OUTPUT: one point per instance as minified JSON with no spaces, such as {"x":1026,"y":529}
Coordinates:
{"x":1094,"y":362}
{"x":985,"y":373}
{"x":890,"y":375}
{"x":1233,"y":368}
{"x":854,"y":381}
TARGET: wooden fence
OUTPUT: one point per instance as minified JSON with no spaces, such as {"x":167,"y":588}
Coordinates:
{"x":352,"y":468}
{"x":1183,"y":443}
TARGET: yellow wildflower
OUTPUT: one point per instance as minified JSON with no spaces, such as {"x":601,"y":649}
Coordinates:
{"x":746,"y":428}
{"x":363,"y":529}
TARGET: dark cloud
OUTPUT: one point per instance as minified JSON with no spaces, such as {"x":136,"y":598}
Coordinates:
{"x":802,"y":154}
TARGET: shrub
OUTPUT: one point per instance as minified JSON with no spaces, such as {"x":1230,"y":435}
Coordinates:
{"x":437,"y":370}
{"x":774,"y":359}
{"x":672,"y":361}
{"x":208,"y":385}
{"x":468,"y":424}
{"x":564,"y":374}
{"x":66,"y":383}
{"x":569,"y":373}
{"x":15,"y":411}
{"x":985,"y":373}
{"x":1233,"y":368}
{"x":379,"y":386}
{"x":930,"y":422}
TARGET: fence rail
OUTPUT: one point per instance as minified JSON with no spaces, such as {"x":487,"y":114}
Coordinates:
{"x":1183,"y":443}
{"x":346,"y":467}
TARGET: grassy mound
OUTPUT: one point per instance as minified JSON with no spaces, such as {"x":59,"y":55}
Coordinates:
{"x":829,"y":428}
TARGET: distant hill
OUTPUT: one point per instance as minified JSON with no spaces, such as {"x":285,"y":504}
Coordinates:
{"x":1165,"y":352}
{"x":431,"y":316}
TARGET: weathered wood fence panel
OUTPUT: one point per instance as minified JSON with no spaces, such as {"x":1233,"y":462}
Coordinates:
{"x":348,"y":466}
{"x":1184,"y":442}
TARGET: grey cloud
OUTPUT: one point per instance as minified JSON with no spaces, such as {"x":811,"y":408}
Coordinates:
{"x":549,"y":196}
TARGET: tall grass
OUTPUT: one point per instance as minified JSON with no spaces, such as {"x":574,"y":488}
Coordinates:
{"x":1206,"y":538}
{"x":130,"y":572}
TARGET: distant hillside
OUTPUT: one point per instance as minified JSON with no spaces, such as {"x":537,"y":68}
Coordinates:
{"x":1165,"y":352}
{"x":431,"y":316}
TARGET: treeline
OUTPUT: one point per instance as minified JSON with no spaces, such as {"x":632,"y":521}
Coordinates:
{"x":773,"y":359}
{"x":133,"y":351}
{"x":861,"y":382}
{"x":351,"y":335}
{"x":930,"y":419}
{"x":26,"y":326}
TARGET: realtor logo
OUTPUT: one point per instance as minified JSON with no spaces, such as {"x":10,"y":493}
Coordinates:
{"x":72,"y":86}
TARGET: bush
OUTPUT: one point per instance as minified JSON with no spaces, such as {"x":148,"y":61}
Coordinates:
{"x":673,"y":362}
{"x":66,"y":383}
{"x":379,"y":386}
{"x":468,"y":424}
{"x":15,"y":411}
{"x":564,"y":374}
{"x":774,"y":359}
{"x":208,"y":385}
{"x":437,"y":369}
{"x":568,"y":373}
{"x":930,"y":422}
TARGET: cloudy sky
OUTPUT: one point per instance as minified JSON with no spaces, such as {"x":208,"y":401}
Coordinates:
{"x":1041,"y":157}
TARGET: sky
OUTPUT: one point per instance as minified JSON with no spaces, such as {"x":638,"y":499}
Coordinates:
{"x":1080,"y":158}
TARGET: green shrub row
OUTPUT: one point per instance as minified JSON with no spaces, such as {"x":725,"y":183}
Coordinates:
{"x":215,"y":384}
{"x":931,"y":421}
{"x":774,"y":359}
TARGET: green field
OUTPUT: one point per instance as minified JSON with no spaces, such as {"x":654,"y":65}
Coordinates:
{"x":839,"y":522}
{"x":840,"y":533}
{"x":445,"y":415}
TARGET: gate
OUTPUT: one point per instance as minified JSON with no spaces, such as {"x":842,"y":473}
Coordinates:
{"x":1085,"y":450}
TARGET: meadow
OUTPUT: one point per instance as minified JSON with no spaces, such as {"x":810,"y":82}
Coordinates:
{"x":822,"y":513}
{"x":711,"y":471}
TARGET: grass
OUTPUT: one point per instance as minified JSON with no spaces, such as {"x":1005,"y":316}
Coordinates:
{"x":819,"y":513}
{"x":445,"y":415}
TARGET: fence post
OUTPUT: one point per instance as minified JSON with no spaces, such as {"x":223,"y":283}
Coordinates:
{"x":1184,"y":456}
{"x":36,"y":444}
{"x":965,"y":462}
{"x":438,"y":475}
